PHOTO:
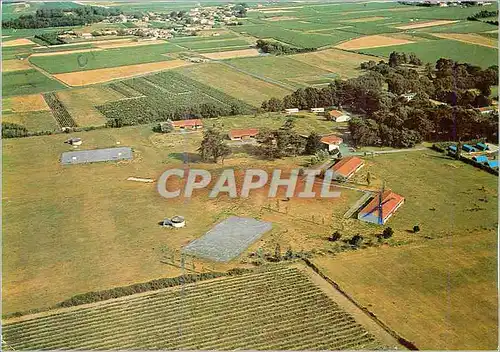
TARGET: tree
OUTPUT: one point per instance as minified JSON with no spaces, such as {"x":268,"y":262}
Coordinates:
{"x":313,"y":144}
{"x":388,"y":232}
{"x":335,"y":236}
{"x":416,"y":229}
{"x":213,"y":146}
{"x":267,"y":144}
{"x":356,"y":241}
{"x":368,"y":178}
{"x":277,"y":252}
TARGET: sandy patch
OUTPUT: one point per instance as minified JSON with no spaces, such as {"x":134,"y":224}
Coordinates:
{"x":65,"y":52}
{"x":282,"y":18}
{"x":129,"y":44}
{"x":366,"y":19}
{"x":18,"y":42}
{"x":372,"y":41}
{"x":232,"y":54}
{"x":27,"y":103}
{"x":15,"y":65}
{"x":426,"y":24}
{"x":82,"y":78}
{"x":469,"y":38}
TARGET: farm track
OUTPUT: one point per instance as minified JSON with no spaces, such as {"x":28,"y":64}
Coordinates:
{"x":276,"y":309}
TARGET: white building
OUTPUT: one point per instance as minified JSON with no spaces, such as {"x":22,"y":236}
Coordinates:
{"x":339,"y":116}
{"x":317,"y":110}
{"x":291,"y":111}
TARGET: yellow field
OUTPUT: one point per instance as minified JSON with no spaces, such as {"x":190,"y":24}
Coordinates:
{"x":440,"y":295}
{"x":27,"y":103}
{"x":15,"y":65}
{"x":83,"y":78}
{"x":344,"y":63}
{"x":232,"y":54}
{"x":65,"y":52}
{"x":18,"y":42}
{"x":129,"y":44}
{"x":281,"y":18}
{"x":247,"y":88}
{"x":366,"y":19}
{"x":371,"y":41}
{"x":81,"y":103}
{"x":426,"y":24}
{"x":469,"y":38}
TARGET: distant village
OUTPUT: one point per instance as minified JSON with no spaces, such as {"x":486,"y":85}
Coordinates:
{"x":442,"y":3}
{"x":154,"y":25}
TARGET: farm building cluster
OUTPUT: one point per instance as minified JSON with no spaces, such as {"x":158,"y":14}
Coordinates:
{"x":483,"y":154}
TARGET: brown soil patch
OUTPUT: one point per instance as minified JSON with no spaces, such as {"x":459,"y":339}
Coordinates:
{"x":18,"y":42}
{"x":27,"y":103}
{"x":65,"y":52}
{"x":372,"y":41}
{"x":128,"y":44}
{"x":82,"y":78}
{"x":15,"y":65}
{"x":469,"y":38}
{"x":366,"y":19}
{"x":282,"y":18}
{"x":426,"y":24}
{"x":232,"y":54}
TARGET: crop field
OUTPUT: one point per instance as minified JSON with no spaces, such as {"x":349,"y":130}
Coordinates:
{"x":470,"y":39}
{"x":59,"y":111}
{"x":83,"y":78}
{"x":27,"y":82}
{"x":431,"y":51}
{"x":211,"y":44}
{"x":34,"y":121}
{"x":278,"y":309}
{"x":232,"y":54}
{"x":416,"y":25}
{"x":25,"y":103}
{"x":372,"y":41}
{"x":164,"y":93}
{"x":16,"y":52}
{"x":80,"y":104}
{"x":15,"y":65}
{"x":443,"y":285}
{"x":104,"y":58}
{"x":17,"y":42}
{"x":278,"y":69}
{"x":234,"y":83}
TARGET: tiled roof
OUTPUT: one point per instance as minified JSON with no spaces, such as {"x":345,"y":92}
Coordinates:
{"x":187,"y":123}
{"x":347,"y":166}
{"x":332,"y":139}
{"x":390,"y":201}
{"x":243,"y":132}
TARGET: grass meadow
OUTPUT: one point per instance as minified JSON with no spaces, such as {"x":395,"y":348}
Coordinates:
{"x":27,"y":82}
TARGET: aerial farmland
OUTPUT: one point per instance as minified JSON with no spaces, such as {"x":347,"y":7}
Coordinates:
{"x":249,"y":175}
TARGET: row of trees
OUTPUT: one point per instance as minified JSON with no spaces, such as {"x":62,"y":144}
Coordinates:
{"x":483,"y":14}
{"x":49,"y":17}
{"x":276,"y":48}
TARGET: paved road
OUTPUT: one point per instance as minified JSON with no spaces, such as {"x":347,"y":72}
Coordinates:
{"x":389,"y":151}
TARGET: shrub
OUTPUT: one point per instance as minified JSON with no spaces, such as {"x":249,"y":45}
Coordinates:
{"x":356,"y":240}
{"x":388,"y":232}
{"x":335,"y":236}
{"x":416,"y":229}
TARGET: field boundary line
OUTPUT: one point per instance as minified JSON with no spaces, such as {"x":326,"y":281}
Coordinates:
{"x":406,"y":343}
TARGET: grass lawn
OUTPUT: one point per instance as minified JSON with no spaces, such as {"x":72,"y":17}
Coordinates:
{"x":431,"y":51}
{"x":104,"y":59}
{"x":441,"y":295}
{"x":27,"y":82}
{"x":237,"y":84}
{"x":34,"y":120}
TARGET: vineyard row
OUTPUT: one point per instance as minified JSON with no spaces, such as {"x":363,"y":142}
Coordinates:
{"x":59,"y":111}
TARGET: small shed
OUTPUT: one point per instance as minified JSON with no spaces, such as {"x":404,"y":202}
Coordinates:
{"x":292,"y":111}
{"x":317,"y":110}
{"x":178,"y":221}
{"x":480,"y":159}
{"x":468,"y":148}
{"x":482,"y":146}
{"x":74,"y":141}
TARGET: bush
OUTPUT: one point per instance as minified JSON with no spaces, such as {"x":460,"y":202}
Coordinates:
{"x":356,"y":240}
{"x":335,"y":236}
{"x":388,"y":232}
{"x":416,"y":229}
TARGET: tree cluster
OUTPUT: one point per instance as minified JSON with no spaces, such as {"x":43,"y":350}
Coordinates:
{"x":483,"y":14}
{"x":213,"y":147}
{"x":54,"y":17}
{"x":275,"y":144}
{"x":276,"y":48}
{"x":51,"y":38}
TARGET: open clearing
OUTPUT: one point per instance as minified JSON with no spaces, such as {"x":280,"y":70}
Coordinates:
{"x":83,"y":78}
{"x":441,"y":295}
{"x":279,"y":309}
{"x":26,"y":103}
{"x":80,"y":103}
{"x":426,"y":24}
{"x":15,"y":65}
{"x":17,"y":42}
{"x":469,"y":38}
{"x":232,"y":54}
{"x":371,"y":41}
{"x":237,"y":84}
{"x":344,"y":63}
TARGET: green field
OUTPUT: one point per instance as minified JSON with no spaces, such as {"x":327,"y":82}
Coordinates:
{"x":209,"y":44}
{"x":214,"y":315}
{"x":34,"y":121}
{"x":105,"y":58}
{"x":27,"y":82}
{"x":431,"y":51}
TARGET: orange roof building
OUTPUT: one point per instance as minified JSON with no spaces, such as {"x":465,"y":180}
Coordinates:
{"x":243,"y":133}
{"x":331,"y":142}
{"x":185,"y":124}
{"x":339,"y":116}
{"x":346,"y":167}
{"x":380,"y":209}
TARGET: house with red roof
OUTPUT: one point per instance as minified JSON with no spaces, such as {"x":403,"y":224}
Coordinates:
{"x":193,"y":124}
{"x":243,"y":134}
{"x":331,"y":142}
{"x":381,"y":208}
{"x":346,"y":167}
{"x":338,"y":116}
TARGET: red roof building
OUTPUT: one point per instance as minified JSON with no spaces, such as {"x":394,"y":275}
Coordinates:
{"x":188,"y":124}
{"x":346,"y":167}
{"x":389,"y":203}
{"x":339,"y":116}
{"x":243,"y":133}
